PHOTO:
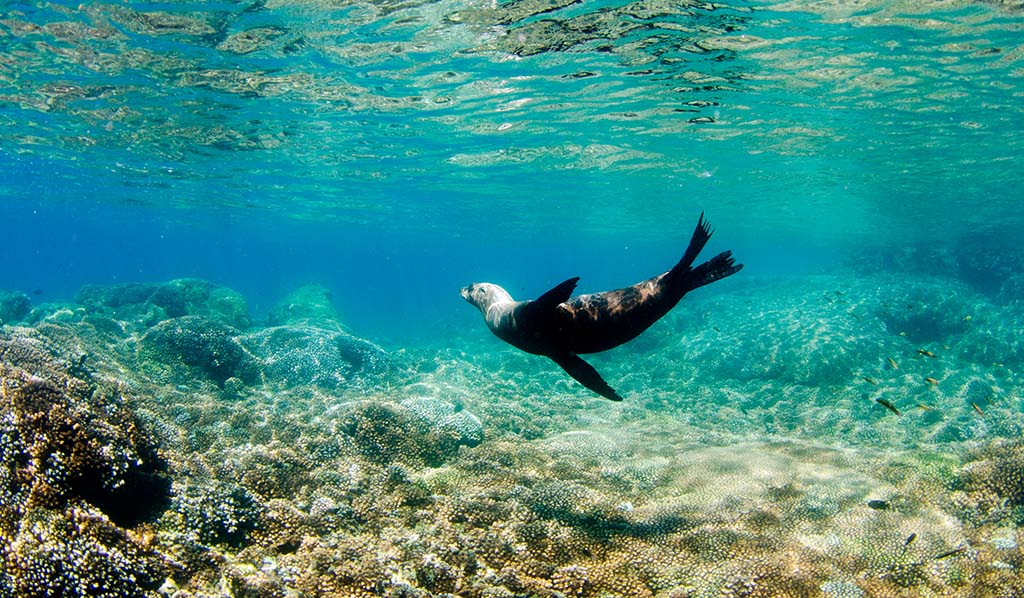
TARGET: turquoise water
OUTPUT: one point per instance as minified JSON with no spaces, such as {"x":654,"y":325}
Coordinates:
{"x":234,"y":361}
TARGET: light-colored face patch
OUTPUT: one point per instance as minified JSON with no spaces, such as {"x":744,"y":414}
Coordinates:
{"x":484,"y":294}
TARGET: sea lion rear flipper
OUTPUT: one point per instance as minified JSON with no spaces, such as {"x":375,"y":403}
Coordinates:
{"x":559,"y":294}
{"x":585,"y":374}
{"x":716,"y":268}
{"x":701,"y":235}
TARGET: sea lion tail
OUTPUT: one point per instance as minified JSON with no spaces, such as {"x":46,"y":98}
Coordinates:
{"x":700,"y":237}
{"x":716,"y":268}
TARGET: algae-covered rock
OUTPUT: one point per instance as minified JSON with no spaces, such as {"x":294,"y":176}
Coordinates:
{"x":923,"y":310}
{"x":309,"y":305}
{"x":148,"y":303}
{"x":14,"y":306}
{"x":294,"y":355}
{"x":206,"y":347}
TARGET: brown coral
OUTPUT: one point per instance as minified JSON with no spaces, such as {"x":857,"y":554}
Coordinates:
{"x":66,"y":438}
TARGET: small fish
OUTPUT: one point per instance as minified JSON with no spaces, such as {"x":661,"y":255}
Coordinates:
{"x":870,"y":380}
{"x":888,"y":405}
{"x":926,"y":353}
{"x":878,"y":505}
{"x":931,"y":380}
{"x":949,"y":553}
{"x":893,"y":363}
{"x":924,"y":407}
{"x":978,"y":409}
{"x":904,"y":334}
{"x":968,"y":318}
{"x":910,"y":540}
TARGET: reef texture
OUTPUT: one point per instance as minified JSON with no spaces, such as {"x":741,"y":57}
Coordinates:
{"x":155,"y":442}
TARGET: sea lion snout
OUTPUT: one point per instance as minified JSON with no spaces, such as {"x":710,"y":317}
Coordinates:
{"x":484,"y":294}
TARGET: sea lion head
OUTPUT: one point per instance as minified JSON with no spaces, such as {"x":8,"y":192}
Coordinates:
{"x":484,"y":294}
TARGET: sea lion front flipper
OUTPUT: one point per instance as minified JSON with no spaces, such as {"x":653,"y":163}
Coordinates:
{"x":585,"y":374}
{"x":559,"y":294}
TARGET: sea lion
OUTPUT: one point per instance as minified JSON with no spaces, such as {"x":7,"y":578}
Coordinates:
{"x":556,"y":327}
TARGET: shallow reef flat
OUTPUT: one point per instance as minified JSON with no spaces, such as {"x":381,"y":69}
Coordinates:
{"x":156,"y":441}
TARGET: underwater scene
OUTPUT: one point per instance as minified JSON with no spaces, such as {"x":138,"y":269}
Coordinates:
{"x":235,"y":362}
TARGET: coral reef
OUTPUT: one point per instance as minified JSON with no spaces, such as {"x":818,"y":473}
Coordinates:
{"x":76,"y":463}
{"x":65,"y":438}
{"x":462,"y":427}
{"x":207,"y":347}
{"x":14,"y":306}
{"x":149,"y":449}
{"x":149,"y":303}
{"x":216,"y":512}
{"x":79,"y":553}
{"x":991,"y":484}
{"x":309,"y":305}
{"x":294,"y":355}
{"x":416,"y":431}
